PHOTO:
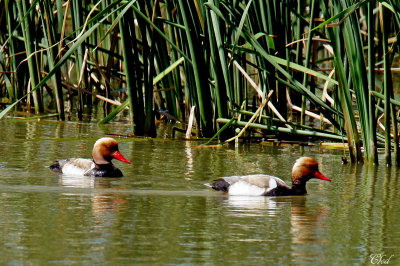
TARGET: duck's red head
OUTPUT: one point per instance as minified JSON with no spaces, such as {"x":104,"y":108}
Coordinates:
{"x":304,"y":169}
{"x":105,"y":149}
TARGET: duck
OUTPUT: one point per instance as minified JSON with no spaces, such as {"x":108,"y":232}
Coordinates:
{"x":104,"y":150}
{"x":304,"y":169}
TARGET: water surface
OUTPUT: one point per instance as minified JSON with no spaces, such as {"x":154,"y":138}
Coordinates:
{"x":161,"y":213}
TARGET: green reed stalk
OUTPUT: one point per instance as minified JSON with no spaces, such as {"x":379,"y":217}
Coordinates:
{"x":280,"y":122}
{"x":177,"y":95}
{"x":324,"y":108}
{"x":96,"y":21}
{"x":77,"y":22}
{"x":343,"y":89}
{"x":33,"y":71}
{"x":388,"y":92}
{"x":220,"y":64}
{"x":156,"y":79}
{"x":262,"y":53}
{"x":283,"y":32}
{"x":381,"y":96}
{"x":202,"y":89}
{"x":298,"y":132}
{"x":161,"y":55}
{"x":354,"y":50}
{"x":307,"y":59}
{"x":60,"y":15}
{"x":147,"y":41}
{"x":387,"y":84}
{"x":13,"y":91}
{"x":159,"y":31}
{"x":396,"y":148}
{"x":372,"y":157}
{"x":132,"y":67}
{"x":255,"y":33}
{"x":216,"y":73}
{"x":49,"y":27}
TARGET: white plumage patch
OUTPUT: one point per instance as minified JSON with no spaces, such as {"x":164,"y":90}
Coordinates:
{"x":77,"y":167}
{"x":272,"y":184}
{"x":70,"y":169}
{"x":243,"y":188}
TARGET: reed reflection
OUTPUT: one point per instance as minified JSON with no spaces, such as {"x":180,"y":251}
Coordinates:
{"x":189,"y":160}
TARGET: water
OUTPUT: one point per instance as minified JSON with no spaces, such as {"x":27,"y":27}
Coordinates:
{"x":161,"y":213}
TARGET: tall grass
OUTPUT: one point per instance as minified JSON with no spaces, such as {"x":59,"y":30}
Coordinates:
{"x":318,"y":57}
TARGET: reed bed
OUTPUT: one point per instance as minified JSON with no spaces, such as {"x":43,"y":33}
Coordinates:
{"x":326,"y":66}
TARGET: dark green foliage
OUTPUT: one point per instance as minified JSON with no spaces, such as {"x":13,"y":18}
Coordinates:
{"x":235,"y":52}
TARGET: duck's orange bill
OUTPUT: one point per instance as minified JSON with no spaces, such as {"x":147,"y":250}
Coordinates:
{"x":321,"y":176}
{"x":117,"y":155}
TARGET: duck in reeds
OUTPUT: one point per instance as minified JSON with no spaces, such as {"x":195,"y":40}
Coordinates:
{"x":303,"y":170}
{"x":104,"y":150}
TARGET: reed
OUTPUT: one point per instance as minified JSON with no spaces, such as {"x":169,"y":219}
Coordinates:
{"x":222,"y":56}
{"x":372,"y":155}
{"x":50,"y":33}
{"x":27,"y":31}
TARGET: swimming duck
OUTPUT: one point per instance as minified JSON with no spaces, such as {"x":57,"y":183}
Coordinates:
{"x":303,"y":170}
{"x":104,"y":150}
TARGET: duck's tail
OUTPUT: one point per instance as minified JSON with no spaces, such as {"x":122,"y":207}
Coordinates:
{"x":56,"y":167}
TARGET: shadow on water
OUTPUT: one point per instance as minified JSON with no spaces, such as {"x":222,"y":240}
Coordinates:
{"x":161,"y":213}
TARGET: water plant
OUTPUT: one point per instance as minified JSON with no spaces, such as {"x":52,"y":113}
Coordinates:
{"x":322,"y":61}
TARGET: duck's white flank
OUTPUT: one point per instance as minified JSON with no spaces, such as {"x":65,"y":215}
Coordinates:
{"x":242,"y":188}
{"x":245,"y":186}
{"x":77,"y":167}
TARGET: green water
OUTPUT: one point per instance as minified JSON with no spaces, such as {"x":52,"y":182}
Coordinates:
{"x":161,"y":213}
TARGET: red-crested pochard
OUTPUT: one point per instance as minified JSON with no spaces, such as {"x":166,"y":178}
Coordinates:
{"x":303,"y":170}
{"x":104,"y":150}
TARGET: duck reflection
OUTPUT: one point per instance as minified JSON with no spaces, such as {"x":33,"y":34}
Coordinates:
{"x":101,"y":201}
{"x":73,"y":181}
{"x":304,"y":221}
{"x":86,"y":181}
{"x":251,"y":205}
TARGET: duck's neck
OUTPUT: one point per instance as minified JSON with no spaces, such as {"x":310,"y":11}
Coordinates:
{"x":299,"y":189}
{"x":103,"y":165}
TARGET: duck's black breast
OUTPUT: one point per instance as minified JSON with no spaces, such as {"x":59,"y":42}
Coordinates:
{"x":104,"y":171}
{"x":287,"y":191}
{"x":279,"y":191}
